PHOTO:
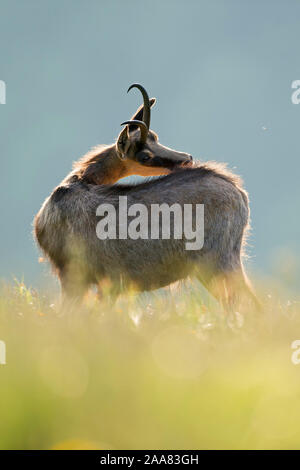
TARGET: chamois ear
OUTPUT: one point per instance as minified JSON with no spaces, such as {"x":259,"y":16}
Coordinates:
{"x":121,"y":142}
{"x":138,"y":115}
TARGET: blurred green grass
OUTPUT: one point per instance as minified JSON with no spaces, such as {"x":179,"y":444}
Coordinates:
{"x":156,"y":371}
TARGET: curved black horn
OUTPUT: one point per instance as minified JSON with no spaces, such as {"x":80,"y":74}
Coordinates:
{"x":143,"y":128}
{"x":147,"y":106}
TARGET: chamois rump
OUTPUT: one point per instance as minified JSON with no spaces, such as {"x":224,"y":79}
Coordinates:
{"x":65,"y":226}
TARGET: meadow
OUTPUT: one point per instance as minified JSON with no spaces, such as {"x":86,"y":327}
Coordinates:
{"x":164,"y":370}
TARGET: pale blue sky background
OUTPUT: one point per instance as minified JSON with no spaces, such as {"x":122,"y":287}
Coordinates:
{"x":220,"y":69}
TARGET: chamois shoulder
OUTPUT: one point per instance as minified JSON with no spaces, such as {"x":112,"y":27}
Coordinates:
{"x":70,"y":187}
{"x":218,"y":170}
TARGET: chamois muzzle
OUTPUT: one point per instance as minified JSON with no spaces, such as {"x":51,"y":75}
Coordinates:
{"x":171,"y":160}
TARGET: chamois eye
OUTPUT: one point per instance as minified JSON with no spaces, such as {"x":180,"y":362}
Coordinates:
{"x":143,"y":157}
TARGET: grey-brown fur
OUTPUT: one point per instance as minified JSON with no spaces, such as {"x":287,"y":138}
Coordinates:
{"x":65,"y":226}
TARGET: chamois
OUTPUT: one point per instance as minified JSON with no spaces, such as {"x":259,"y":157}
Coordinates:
{"x":65,"y":226}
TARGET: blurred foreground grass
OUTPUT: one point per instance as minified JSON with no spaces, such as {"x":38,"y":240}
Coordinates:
{"x":153,"y":372}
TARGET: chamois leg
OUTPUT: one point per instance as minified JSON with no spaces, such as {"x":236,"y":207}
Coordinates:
{"x":243,"y":290}
{"x":217,"y":287}
{"x":214,"y":283}
{"x":108,"y":290}
{"x":234,"y":292}
{"x":73,"y":289}
{"x":231,"y":289}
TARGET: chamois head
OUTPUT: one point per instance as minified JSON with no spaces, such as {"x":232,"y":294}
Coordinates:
{"x":136,"y":152}
{"x":138,"y":146}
